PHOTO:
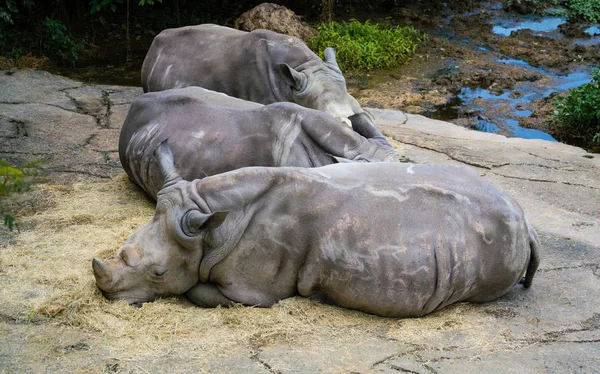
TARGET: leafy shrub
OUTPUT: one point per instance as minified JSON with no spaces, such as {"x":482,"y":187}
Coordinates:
{"x":57,"y":42}
{"x":367,"y":46}
{"x":577,"y":116}
{"x":584,"y":10}
{"x":12,"y":180}
{"x":97,"y":6}
{"x":11,"y":42}
{"x":100,"y":6}
{"x":11,"y":7}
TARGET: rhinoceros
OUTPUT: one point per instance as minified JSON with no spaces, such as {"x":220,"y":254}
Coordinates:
{"x":391,"y":239}
{"x":211,"y":133}
{"x":260,"y":66}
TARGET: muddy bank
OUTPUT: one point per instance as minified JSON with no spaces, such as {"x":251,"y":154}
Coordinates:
{"x":54,"y":319}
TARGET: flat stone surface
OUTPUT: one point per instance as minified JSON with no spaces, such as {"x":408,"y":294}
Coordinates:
{"x":556,"y":357}
{"x":327,"y":357}
{"x":72,"y":127}
{"x":553,"y":327}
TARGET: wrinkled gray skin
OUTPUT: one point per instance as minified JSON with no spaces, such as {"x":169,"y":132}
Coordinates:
{"x":211,"y":133}
{"x":260,"y":66}
{"x":390,"y":239}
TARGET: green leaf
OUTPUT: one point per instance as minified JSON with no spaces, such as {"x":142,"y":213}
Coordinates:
{"x":12,"y":6}
{"x":9,"y":221}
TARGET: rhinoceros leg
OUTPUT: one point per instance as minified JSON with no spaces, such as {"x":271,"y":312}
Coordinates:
{"x":363,"y":125}
{"x":332,"y":137}
{"x":207,"y":295}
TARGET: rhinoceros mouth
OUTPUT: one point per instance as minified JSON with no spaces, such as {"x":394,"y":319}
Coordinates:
{"x":118,"y":296}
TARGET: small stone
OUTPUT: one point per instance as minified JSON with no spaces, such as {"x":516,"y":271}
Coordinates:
{"x":515,"y":94}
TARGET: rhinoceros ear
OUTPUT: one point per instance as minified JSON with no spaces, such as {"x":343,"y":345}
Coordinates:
{"x":330,"y":55}
{"x":293,"y":77}
{"x":167,"y":165}
{"x":194,"y":221}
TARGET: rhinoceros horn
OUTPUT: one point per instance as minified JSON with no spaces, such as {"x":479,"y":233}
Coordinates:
{"x":330,"y":59}
{"x":167,"y":165}
{"x":104,"y":276}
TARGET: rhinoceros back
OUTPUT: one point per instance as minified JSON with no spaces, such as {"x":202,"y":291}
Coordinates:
{"x":237,"y":63}
{"x":410,"y":244}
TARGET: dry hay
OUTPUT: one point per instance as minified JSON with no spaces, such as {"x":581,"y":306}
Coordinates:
{"x":47,"y":269}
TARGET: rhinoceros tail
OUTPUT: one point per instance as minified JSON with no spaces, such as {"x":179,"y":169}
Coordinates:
{"x":534,"y":259}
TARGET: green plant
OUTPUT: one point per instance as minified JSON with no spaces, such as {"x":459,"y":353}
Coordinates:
{"x":57,"y":42}
{"x":97,"y":6}
{"x":13,"y":179}
{"x":11,"y":41}
{"x":149,"y":2}
{"x":577,"y":116}
{"x":10,"y":7}
{"x":584,"y":10}
{"x":5,"y":12}
{"x":367,"y":46}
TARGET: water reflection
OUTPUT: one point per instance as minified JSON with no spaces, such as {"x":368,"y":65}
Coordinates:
{"x":505,"y":27}
{"x":516,"y":100}
{"x":486,"y":126}
{"x":592,"y":30}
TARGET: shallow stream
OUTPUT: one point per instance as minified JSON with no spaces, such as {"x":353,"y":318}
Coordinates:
{"x":501,"y":111}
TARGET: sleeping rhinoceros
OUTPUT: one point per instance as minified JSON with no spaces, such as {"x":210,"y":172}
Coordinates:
{"x":391,"y":239}
{"x":260,"y":66}
{"x":211,"y":133}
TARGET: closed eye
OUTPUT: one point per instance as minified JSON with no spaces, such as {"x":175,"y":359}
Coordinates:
{"x":160,"y":273}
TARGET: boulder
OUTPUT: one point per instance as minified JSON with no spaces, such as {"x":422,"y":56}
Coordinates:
{"x":276,"y":18}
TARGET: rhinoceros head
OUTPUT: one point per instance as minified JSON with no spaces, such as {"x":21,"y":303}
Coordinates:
{"x":321,"y":87}
{"x":161,"y":258}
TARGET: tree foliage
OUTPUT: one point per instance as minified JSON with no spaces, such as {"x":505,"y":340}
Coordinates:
{"x":56,"y":41}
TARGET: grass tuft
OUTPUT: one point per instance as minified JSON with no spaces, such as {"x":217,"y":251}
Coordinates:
{"x":367,"y":46}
